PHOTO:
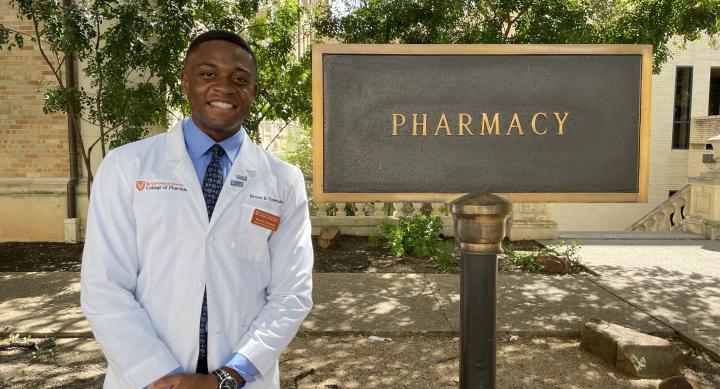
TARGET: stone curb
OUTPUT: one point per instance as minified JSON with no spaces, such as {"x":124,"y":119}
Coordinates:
{"x":678,"y":333}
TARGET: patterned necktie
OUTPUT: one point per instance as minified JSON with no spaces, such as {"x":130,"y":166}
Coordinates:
{"x":212,"y":184}
{"x":213,"y":181}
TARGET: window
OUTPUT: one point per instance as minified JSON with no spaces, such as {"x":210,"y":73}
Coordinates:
{"x":681,"y":115}
{"x":714,"y":103}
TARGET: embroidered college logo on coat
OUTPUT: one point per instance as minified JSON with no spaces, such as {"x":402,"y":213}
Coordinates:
{"x":147,"y":185}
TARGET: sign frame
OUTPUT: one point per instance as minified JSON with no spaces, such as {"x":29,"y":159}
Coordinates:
{"x":645,"y":51}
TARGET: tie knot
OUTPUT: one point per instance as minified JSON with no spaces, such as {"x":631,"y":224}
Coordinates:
{"x":217,"y":151}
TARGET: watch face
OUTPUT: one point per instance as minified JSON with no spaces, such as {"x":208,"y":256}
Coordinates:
{"x":228,"y":383}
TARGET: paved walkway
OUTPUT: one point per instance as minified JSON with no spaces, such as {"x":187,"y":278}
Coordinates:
{"x":655,"y":287}
{"x":676,"y":282}
{"x":47,"y":304}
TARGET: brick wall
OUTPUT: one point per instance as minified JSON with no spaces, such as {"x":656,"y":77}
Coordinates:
{"x":32,"y":144}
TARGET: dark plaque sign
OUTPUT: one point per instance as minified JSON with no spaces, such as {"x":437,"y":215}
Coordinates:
{"x":562,"y":123}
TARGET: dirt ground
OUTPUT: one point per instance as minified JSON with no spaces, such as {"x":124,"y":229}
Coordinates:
{"x":24,"y":257}
{"x":347,"y":254}
{"x":335,"y":362}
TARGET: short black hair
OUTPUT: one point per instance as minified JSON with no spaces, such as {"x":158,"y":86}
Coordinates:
{"x":220,"y":35}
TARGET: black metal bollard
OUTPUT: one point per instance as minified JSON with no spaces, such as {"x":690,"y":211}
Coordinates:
{"x":479,"y":229}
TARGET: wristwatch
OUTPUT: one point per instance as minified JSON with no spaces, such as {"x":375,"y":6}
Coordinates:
{"x":225,"y":380}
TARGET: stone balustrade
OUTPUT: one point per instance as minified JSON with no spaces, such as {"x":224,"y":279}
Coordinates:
{"x":668,"y":216}
{"x":364,"y":218}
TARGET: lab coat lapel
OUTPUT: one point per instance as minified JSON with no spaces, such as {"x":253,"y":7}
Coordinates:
{"x":179,"y":160}
{"x":242,"y":172}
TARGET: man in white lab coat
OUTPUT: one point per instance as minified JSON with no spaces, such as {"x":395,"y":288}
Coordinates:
{"x":198,"y":258}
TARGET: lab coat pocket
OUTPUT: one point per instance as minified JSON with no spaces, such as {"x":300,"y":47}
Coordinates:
{"x":251,"y":242}
{"x":261,"y":221}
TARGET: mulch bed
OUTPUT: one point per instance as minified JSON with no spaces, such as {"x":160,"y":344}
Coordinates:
{"x":24,"y":257}
{"x":353,"y":254}
{"x":346,"y":254}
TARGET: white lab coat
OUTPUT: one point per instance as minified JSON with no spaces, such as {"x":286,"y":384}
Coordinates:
{"x":150,"y":252}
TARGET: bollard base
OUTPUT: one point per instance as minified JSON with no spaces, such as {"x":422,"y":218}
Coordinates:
{"x":478,"y":302}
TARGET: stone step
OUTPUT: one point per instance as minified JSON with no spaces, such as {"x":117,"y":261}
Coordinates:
{"x":626,"y":235}
{"x":634,"y":353}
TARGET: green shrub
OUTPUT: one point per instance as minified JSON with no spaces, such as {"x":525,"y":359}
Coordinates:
{"x":527,"y":261}
{"x":572,"y":251}
{"x":446,"y":258}
{"x":418,"y":235}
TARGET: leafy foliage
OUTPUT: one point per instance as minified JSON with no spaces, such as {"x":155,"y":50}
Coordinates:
{"x":445,"y":256}
{"x":572,"y":251}
{"x":418,"y":235}
{"x":520,"y":21}
{"x":298,"y":150}
{"x":528,"y":259}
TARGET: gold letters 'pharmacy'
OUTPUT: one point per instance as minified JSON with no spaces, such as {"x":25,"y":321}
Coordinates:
{"x":422,"y":124}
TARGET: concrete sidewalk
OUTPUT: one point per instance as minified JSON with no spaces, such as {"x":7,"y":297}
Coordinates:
{"x":676,"y":282}
{"x":46,"y":304}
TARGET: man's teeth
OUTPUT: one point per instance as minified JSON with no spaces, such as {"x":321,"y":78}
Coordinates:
{"x":221,"y":105}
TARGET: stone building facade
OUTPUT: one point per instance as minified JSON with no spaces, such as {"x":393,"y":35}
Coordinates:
{"x":33,"y":145}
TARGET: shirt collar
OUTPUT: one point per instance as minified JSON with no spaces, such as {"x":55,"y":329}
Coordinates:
{"x":198,"y":142}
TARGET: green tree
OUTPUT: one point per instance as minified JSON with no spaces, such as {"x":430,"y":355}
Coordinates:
{"x":132,"y":51}
{"x":520,"y":21}
{"x":298,"y":150}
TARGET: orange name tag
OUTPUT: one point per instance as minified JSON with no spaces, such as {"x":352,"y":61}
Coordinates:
{"x":265,"y":219}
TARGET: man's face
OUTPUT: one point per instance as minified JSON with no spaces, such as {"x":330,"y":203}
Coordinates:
{"x":219,"y":81}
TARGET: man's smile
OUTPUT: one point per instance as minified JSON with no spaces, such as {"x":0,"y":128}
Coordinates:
{"x":221,"y":105}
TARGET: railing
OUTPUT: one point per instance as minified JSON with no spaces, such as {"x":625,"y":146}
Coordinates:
{"x":363,"y":218}
{"x":668,"y":216}
{"x":378,"y":209}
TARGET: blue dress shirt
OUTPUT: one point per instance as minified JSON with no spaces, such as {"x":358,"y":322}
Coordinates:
{"x":198,"y":146}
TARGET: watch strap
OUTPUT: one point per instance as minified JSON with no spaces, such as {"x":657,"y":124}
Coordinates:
{"x":225,"y":380}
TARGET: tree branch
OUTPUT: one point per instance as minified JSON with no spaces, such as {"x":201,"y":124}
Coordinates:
{"x":511,"y":21}
{"x":88,"y":121}
{"x":172,"y":113}
{"x":108,"y":132}
{"x":101,"y":84}
{"x":23,"y":33}
{"x":61,"y":62}
{"x":278,"y":133}
{"x":127,"y":75}
{"x":70,"y":108}
{"x":47,"y":60}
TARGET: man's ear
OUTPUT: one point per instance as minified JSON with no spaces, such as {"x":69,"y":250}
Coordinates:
{"x":184,"y":82}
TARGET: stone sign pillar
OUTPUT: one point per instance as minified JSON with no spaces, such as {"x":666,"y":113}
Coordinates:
{"x":531,"y":221}
{"x":704,"y":214}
